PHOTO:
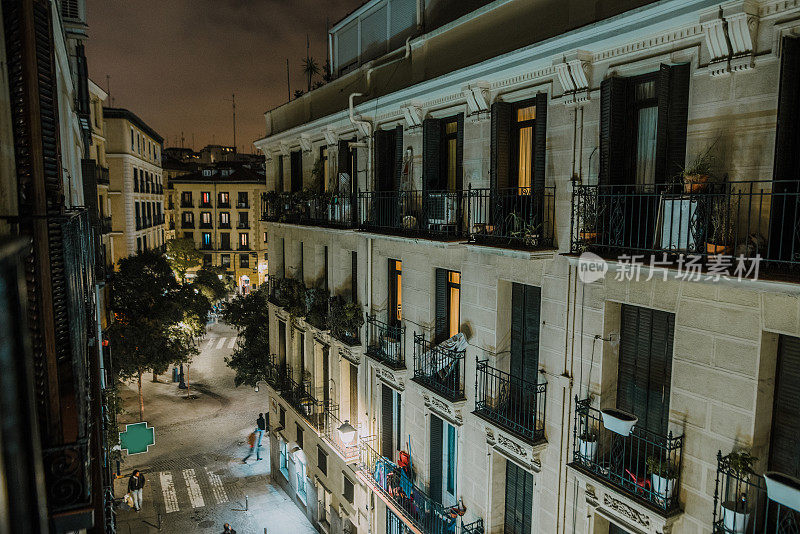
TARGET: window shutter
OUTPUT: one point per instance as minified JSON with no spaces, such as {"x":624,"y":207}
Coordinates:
{"x":431,"y":145}
{"x":531,"y":347}
{"x":322,"y":461}
{"x":436,"y":459}
{"x":500,"y":145}
{"x":519,"y":500}
{"x":343,"y":152}
{"x":613,"y":97}
{"x":540,"y":144}
{"x":387,"y":423}
{"x":384,"y":160}
{"x":784,"y":448}
{"x":460,"y":152}
{"x":353,"y":395}
{"x":517,"y":328}
{"x":399,"y":151}
{"x":673,"y":109}
{"x":787,"y":155}
{"x":441,"y":326}
{"x":391,"y":303}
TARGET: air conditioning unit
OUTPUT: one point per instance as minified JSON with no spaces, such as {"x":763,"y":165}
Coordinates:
{"x":442,"y":208}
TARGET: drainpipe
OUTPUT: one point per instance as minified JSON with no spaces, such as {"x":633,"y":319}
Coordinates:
{"x":406,"y":56}
{"x":368,"y":127}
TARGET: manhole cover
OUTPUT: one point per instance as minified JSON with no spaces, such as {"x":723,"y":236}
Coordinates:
{"x":207,"y":523}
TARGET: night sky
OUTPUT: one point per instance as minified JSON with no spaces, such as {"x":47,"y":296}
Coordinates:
{"x":175,"y":62}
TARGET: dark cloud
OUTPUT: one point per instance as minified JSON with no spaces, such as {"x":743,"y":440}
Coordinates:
{"x":176,"y":62}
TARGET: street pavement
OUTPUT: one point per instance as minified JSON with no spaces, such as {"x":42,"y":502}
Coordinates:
{"x":196,"y":481}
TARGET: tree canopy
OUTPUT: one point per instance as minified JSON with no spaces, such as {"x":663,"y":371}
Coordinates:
{"x":249,"y":315}
{"x":211,"y":285}
{"x":182,"y":256}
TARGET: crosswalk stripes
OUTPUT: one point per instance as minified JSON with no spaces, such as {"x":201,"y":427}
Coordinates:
{"x":232,"y":343}
{"x":221,"y":343}
{"x":217,"y":489}
{"x":211,"y":340}
{"x":193,"y":487}
{"x":174,"y":494}
{"x":168,"y":490}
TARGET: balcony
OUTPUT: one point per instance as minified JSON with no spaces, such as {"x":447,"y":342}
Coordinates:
{"x":742,"y":506}
{"x":105,"y":225}
{"x":102,"y":175}
{"x":243,"y":247}
{"x":345,"y":320}
{"x":433,"y":214}
{"x":67,"y":477}
{"x":187,"y":204}
{"x":385,"y":343}
{"x":476,"y":527}
{"x":243,"y":205}
{"x":709,"y":221}
{"x":243,"y":225}
{"x":512,"y":217}
{"x":225,"y":226}
{"x":628,"y":463}
{"x":223,"y":205}
{"x":510,"y":401}
{"x":299,"y":395}
{"x":440,"y":368}
{"x":322,"y":209}
{"x":348,"y":451}
{"x":392,"y":484}
{"x":206,"y":246}
{"x":187,"y":224}
{"x":205,"y":225}
{"x":207,"y":205}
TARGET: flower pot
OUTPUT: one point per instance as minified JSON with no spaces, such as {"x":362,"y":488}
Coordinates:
{"x":663,"y":487}
{"x":618,"y":421}
{"x":694,"y":183}
{"x":734,"y":517}
{"x":783,"y":489}
{"x":714,"y":249}
{"x":587,"y":449}
{"x":588,"y":237}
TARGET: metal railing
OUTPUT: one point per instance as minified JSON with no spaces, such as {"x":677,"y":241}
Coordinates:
{"x":439,"y":214}
{"x":348,"y":451}
{"x":206,"y":204}
{"x":741,"y":504}
{"x":299,"y":395}
{"x":324,"y":209}
{"x":223,"y":205}
{"x":242,"y":205}
{"x":348,"y":336}
{"x":439,"y":369}
{"x":206,"y":246}
{"x":519,"y":217}
{"x":394,"y":483}
{"x":223,"y":225}
{"x":187,"y":224}
{"x":628,"y":463}
{"x":475,"y":527}
{"x":510,"y":401}
{"x":102,"y":175}
{"x":207,"y":225}
{"x":707,"y":220}
{"x":386,"y":343}
{"x":67,"y":476}
{"x":187,"y":204}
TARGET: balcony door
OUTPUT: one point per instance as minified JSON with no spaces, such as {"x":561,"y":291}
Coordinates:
{"x":519,"y":500}
{"x":784,"y":232}
{"x":389,"y":163}
{"x":442,"y":171}
{"x":448,"y":304}
{"x":645,"y":366}
{"x":520,"y":404}
{"x":443,"y":461}
{"x":784,"y":454}
{"x":390,"y":422}
{"x":395,"y":297}
{"x":296,"y":171}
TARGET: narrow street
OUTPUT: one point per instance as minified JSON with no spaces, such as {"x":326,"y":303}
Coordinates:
{"x":196,"y":481}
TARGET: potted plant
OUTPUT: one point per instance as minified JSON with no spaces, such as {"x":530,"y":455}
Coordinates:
{"x":587,"y":445}
{"x":345,"y":319}
{"x":783,"y":489}
{"x":526,"y":232}
{"x":618,"y":421}
{"x":696,"y":176}
{"x":723,"y":225}
{"x":317,"y":306}
{"x":663,"y":473}
{"x":589,"y":218}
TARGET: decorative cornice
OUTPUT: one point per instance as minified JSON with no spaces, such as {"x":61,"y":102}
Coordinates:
{"x":479,"y":98}
{"x":285,"y":149}
{"x":622,"y":509}
{"x":305,"y":143}
{"x":348,"y":355}
{"x":443,"y":409}
{"x":391,"y":380}
{"x":574,"y":72}
{"x":413,"y":115}
{"x":330,"y":136}
{"x":519,"y":453}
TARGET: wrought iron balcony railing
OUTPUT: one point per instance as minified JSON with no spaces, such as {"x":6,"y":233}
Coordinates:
{"x":324,"y":209}
{"x":187,"y":204}
{"x":67,"y":477}
{"x":299,"y":395}
{"x":631,"y":463}
{"x":206,"y":204}
{"x":348,"y":451}
{"x":510,"y":401}
{"x":226,"y":225}
{"x":437,"y":214}
{"x":386,"y":343}
{"x":223,"y":205}
{"x":742,"y":506}
{"x":243,"y":205}
{"x":206,"y":246}
{"x":187,"y":224}
{"x":243,"y":225}
{"x":519,"y":217}
{"x":205,"y":225}
{"x":707,"y":220}
{"x":438,"y":368}
{"x":475,"y":527}
{"x":393,"y":482}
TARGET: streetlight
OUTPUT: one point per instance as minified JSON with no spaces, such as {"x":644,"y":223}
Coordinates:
{"x":347,"y":433}
{"x":255,"y":388}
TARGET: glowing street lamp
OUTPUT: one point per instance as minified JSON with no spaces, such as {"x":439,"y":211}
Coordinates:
{"x":347,"y":433}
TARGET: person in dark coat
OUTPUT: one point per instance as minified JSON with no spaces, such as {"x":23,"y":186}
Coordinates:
{"x":261,"y":427}
{"x":228,"y":529}
{"x":135,"y":485}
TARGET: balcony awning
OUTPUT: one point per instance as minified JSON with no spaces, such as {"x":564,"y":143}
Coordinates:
{"x":399,"y":512}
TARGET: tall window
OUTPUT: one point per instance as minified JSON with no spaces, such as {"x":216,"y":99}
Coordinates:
{"x":186,"y":199}
{"x":244,"y":240}
{"x":225,"y":260}
{"x":205,"y":218}
{"x":224,"y":200}
{"x":395,"y":304}
{"x":135,"y":180}
{"x":523,"y":129}
{"x":448,"y":304}
{"x":323,"y":158}
{"x":644,"y":116}
{"x":296,"y":171}
{"x":443,"y":461}
{"x":206,"y":239}
{"x":205,"y":198}
{"x":243,"y":222}
{"x":224,"y":241}
{"x":450,"y":159}
{"x":244,"y":261}
{"x":224,"y":219}
{"x":242,"y":202}
{"x":519,"y":500}
{"x":132,"y":136}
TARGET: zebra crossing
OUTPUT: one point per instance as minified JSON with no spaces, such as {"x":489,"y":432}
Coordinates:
{"x":191,"y":488}
{"x":218,"y":343}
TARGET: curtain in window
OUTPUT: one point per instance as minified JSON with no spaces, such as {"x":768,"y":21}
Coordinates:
{"x":646,"y":136}
{"x":525,"y":159}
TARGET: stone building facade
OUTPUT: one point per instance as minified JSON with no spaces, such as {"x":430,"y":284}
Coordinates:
{"x":457,"y":202}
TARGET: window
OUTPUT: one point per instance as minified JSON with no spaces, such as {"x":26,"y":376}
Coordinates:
{"x":323,"y":158}
{"x":525,"y":322}
{"x":205,"y":219}
{"x":348,"y":489}
{"x":138,"y":217}
{"x":243,"y":220}
{"x":296,"y":171}
{"x":186,"y":199}
{"x":282,"y":412}
{"x":244,"y":261}
{"x":301,"y":480}
{"x":225,"y":261}
{"x":242,"y":201}
{"x":223,"y":200}
{"x":206,"y":239}
{"x":395,"y":305}
{"x":448,"y":304}
{"x":390,"y":422}
{"x":279,"y":182}
{"x":207,"y":260}
{"x":224,"y":241}
{"x":449,"y":161}
{"x":138,"y":143}
{"x":205,"y":199}
{"x":519,"y":500}
{"x":138,"y":244}
{"x":283,"y":457}
{"x":187,"y":218}
{"x":443,"y":461}
{"x":224,"y":219}
{"x":265,"y":237}
{"x":132,"y":136}
{"x":299,"y":435}
{"x":442,"y":153}
{"x":322,"y":461}
{"x":645,"y":366}
{"x":244,"y":241}
{"x":785,"y":422}
{"x":135,"y":180}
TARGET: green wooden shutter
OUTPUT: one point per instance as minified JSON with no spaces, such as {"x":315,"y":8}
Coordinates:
{"x":613,"y":99}
{"x":441,"y":328}
{"x":436,"y":459}
{"x":784,"y":446}
{"x":399,"y":152}
{"x":519,"y":500}
{"x":645,"y":366}
{"x":540,"y":143}
{"x":459,"y":152}
{"x":353,"y":395}
{"x":500,"y":145}
{"x":431,"y":149}
{"x":525,"y":319}
{"x":786,"y":168}
{"x":517,"y":328}
{"x":673,"y":109}
{"x":387,"y":423}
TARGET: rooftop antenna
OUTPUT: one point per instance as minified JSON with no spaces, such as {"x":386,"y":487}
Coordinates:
{"x":108,"y":88}
{"x":233,"y":102}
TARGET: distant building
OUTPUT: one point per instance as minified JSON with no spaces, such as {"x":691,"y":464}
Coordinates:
{"x":133,"y":153}
{"x":218,"y":207}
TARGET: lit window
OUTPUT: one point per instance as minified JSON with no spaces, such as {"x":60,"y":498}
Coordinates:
{"x":451,"y":148}
{"x":454,"y":291}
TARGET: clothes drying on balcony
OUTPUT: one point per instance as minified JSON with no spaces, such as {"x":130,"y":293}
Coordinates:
{"x":444,"y":357}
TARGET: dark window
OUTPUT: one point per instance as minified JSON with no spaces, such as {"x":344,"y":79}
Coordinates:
{"x":323,"y":158}
{"x":519,"y":500}
{"x":299,"y":435}
{"x":435,"y":464}
{"x":138,"y":244}
{"x":188,"y":235}
{"x":225,"y":260}
{"x":296,"y":171}
{"x":348,"y":489}
{"x":784,"y":454}
{"x":244,"y":261}
{"x":387,"y":422}
{"x":395,"y":298}
{"x":645,"y":366}
{"x":525,"y":308}
{"x":135,"y":180}
{"x":282,"y":417}
{"x":353,"y":394}
{"x":325,"y":270}
{"x":442,"y":153}
{"x":354,"y":276}
{"x":448,"y":304}
{"x":322,"y":460}
{"x":242,"y":201}
{"x":300,"y":273}
{"x":224,"y":241}
{"x":280,"y":186}
{"x":207,"y":260}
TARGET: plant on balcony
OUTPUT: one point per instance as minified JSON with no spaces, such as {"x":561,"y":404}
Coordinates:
{"x":527,"y":232}
{"x":317,"y":306}
{"x":723,"y":225}
{"x":696,"y":175}
{"x":663,"y":473}
{"x":291,"y":295}
{"x":587,"y":445}
{"x":346,"y":318}
{"x":735,"y":513}
{"x":589,"y":217}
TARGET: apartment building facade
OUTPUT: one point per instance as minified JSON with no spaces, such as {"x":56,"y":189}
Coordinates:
{"x":133,"y":152}
{"x":503,"y":381}
{"x":217,"y":208}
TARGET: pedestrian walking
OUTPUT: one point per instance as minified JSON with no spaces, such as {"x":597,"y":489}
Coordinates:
{"x":251,"y":440}
{"x":135,"y":485}
{"x":228,"y":529}
{"x":261,"y":427}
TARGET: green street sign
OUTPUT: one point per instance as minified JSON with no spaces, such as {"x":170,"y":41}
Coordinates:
{"x":137,"y":438}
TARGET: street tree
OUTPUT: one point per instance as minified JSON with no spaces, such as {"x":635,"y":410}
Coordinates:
{"x":249,"y":315}
{"x":182,"y":256}
{"x":211,"y":285}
